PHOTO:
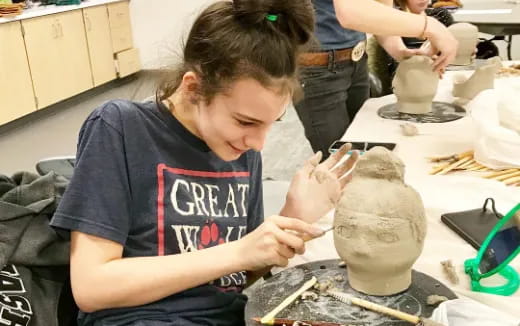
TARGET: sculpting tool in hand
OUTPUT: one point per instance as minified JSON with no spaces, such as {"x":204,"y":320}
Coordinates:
{"x":289,"y":322}
{"x":350,"y":299}
{"x":307,"y":237}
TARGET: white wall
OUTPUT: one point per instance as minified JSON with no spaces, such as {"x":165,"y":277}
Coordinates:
{"x":159,"y":26}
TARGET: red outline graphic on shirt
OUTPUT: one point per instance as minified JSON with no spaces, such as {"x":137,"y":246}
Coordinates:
{"x":160,"y":194}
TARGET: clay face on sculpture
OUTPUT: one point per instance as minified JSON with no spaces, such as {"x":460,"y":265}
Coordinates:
{"x":379,"y":225}
{"x":467,"y":35}
{"x":483,"y":78}
{"x":415,"y":85}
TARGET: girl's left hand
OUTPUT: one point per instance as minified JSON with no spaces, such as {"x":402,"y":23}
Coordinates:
{"x":316,"y":188}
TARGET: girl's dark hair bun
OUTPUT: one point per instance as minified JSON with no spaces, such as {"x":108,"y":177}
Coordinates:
{"x":294,"y":18}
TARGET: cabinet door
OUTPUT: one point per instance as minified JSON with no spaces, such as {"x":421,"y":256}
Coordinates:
{"x":128,"y":62}
{"x":16,"y":91}
{"x":99,"y":44}
{"x":58,"y":56}
{"x":120,"y":27}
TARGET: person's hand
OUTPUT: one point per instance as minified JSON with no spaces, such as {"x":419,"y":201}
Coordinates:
{"x":406,"y":53}
{"x":443,"y":44}
{"x":316,"y":188}
{"x":274,"y":242}
{"x":428,"y":50}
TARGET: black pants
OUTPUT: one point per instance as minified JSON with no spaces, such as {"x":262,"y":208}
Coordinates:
{"x":332,"y":97}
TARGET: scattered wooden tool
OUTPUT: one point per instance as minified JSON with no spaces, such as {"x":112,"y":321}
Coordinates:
{"x":290,"y":322}
{"x":465,"y":161}
{"x":269,"y":318}
{"x":513,"y":70}
{"x":350,"y":299}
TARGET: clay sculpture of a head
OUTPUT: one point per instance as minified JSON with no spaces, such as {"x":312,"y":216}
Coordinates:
{"x":467,"y":35}
{"x":415,"y":85}
{"x":379,"y":225}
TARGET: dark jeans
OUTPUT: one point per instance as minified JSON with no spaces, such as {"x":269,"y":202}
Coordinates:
{"x":332,"y":97}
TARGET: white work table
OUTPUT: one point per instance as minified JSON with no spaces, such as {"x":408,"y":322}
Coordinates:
{"x":441,"y":194}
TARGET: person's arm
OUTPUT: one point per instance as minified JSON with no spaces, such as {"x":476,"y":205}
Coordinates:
{"x":394,"y":46}
{"x":373,"y":17}
{"x":376,"y":18}
{"x":102,"y":279}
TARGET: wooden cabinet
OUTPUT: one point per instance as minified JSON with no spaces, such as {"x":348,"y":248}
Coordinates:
{"x":120,"y":27}
{"x":49,"y":58}
{"x":128,"y":62}
{"x":58,"y":56}
{"x":97,"y":29}
{"x":16,"y":91}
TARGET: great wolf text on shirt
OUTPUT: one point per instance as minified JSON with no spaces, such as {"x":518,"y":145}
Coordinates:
{"x":203,"y":209}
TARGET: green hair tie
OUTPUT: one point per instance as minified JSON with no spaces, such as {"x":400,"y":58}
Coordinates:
{"x":271,"y":17}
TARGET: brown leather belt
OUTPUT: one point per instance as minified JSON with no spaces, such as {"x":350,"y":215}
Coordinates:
{"x":323,"y":58}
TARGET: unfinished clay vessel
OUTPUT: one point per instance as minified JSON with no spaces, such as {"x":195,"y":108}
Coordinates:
{"x":379,"y":225}
{"x":467,"y":35}
{"x":483,"y":78}
{"x":415,"y":85}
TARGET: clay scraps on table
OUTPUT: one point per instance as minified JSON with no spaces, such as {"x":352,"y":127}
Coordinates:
{"x":435,"y":299}
{"x":450,"y":272}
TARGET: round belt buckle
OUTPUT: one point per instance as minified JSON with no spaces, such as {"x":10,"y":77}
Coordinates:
{"x":358,"y":51}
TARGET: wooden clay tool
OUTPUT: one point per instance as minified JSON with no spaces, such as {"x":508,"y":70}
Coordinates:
{"x":269,"y":318}
{"x":466,"y":162}
{"x":349,"y":299}
{"x":307,"y":237}
{"x":289,"y":322}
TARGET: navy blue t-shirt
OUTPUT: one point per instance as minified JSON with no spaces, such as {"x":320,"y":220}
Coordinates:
{"x":329,"y":32}
{"x":143,"y":180}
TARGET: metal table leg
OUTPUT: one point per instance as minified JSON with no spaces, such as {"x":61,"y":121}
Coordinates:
{"x":509,"y":40}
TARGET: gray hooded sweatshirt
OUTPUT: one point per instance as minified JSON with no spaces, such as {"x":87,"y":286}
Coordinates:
{"x":34,"y":271}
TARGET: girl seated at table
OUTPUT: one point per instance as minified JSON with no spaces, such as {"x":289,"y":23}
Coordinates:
{"x":165,"y":208}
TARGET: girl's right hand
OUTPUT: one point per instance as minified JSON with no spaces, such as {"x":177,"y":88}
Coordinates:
{"x":443,"y":44}
{"x":274,"y":242}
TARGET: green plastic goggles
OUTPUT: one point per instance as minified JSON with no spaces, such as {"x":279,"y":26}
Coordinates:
{"x":500,"y":247}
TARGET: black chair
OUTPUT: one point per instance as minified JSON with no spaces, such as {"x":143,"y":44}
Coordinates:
{"x":60,"y":165}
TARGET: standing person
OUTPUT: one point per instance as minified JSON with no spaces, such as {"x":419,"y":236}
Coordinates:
{"x":334,"y":79}
{"x":384,"y":64}
{"x":334,"y":75}
{"x":165,"y":205}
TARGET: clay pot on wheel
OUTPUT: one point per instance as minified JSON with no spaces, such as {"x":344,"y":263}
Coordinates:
{"x":415,"y":85}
